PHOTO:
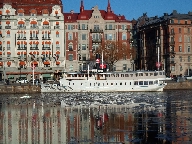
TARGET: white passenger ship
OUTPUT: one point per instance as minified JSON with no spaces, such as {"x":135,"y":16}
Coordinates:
{"x":108,"y":82}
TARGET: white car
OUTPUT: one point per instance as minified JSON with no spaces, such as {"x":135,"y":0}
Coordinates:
{"x":22,"y":81}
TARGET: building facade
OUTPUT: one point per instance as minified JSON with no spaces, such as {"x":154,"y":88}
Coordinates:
{"x":165,"y":43}
{"x":87,"y":30}
{"x":31,"y":35}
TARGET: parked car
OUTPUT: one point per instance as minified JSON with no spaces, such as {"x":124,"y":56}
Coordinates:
{"x":35,"y":80}
{"x":22,"y":81}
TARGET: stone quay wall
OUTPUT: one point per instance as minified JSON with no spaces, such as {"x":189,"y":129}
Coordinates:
{"x":23,"y":89}
{"x":185,"y":85}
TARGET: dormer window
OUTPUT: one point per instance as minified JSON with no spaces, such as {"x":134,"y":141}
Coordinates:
{"x":45,"y":12}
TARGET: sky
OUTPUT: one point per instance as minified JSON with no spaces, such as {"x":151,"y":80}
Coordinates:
{"x":133,"y":8}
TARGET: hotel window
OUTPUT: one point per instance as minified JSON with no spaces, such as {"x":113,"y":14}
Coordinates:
{"x":172,"y":31}
{"x":110,"y":26}
{"x":70,"y":57}
{"x":124,"y":67}
{"x":8,"y":45}
{"x":57,"y":34}
{"x":189,"y":58}
{"x":83,"y":47}
{"x":124,"y":37}
{"x":114,"y":68}
{"x":70,"y":27}
{"x":96,"y":27}
{"x":180,"y":48}
{"x":180,"y":58}
{"x":83,"y":27}
{"x":84,"y":57}
{"x":83,"y":37}
{"x":179,"y":30}
{"x":181,"y":68}
{"x":180,"y":38}
{"x":188,"y":49}
{"x":70,"y":47}
{"x":70,"y":36}
{"x":186,"y":22}
{"x":110,"y":37}
{"x":172,"y":68}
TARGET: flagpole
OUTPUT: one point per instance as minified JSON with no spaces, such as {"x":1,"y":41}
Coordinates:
{"x":102,"y":60}
{"x":33,"y":73}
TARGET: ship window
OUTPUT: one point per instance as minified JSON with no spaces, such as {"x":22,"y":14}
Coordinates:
{"x":160,"y":73}
{"x":81,"y":83}
{"x":98,"y":84}
{"x":156,"y":82}
{"x":140,"y":82}
{"x":117,"y":75}
{"x":69,"y":83}
{"x":94,"y":84}
{"x":155,"y":74}
{"x":145,"y":82}
{"x":116,"y":83}
{"x":122,"y":75}
{"x":103,"y":84}
{"x":107,"y":83}
{"x":111,"y":83}
{"x":150,"y":82}
{"x":126,"y":75}
{"x":90,"y":84}
{"x":73,"y":83}
{"x":141,"y":74}
{"x":151,"y":74}
{"x":135,"y":82}
{"x":146,"y":74}
{"x":125,"y":83}
{"x":120,"y":83}
{"x":130,"y":83}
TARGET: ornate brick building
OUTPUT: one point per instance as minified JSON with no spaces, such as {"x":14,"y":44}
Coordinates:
{"x":32,"y":32}
{"x":86,"y":30}
{"x":171,"y":35}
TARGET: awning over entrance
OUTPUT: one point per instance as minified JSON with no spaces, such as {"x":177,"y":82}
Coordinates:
{"x":46,"y":75}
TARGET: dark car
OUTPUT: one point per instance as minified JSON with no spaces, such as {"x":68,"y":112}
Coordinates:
{"x":35,"y":80}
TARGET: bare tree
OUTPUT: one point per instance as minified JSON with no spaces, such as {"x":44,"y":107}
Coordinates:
{"x":114,"y":51}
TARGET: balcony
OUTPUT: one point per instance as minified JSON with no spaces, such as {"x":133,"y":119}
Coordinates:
{"x":34,"y":38}
{"x":34,"y":48}
{"x":7,"y":16}
{"x":21,"y":38}
{"x":109,"y":28}
{"x":22,"y":48}
{"x":7,"y":27}
{"x":96,"y":40}
{"x":172,"y":43}
{"x":46,"y":38}
{"x":46,"y":27}
{"x":56,"y":27}
{"x":21,"y":27}
{"x":96,"y":31}
{"x":34,"y":27}
{"x":46,"y":48}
